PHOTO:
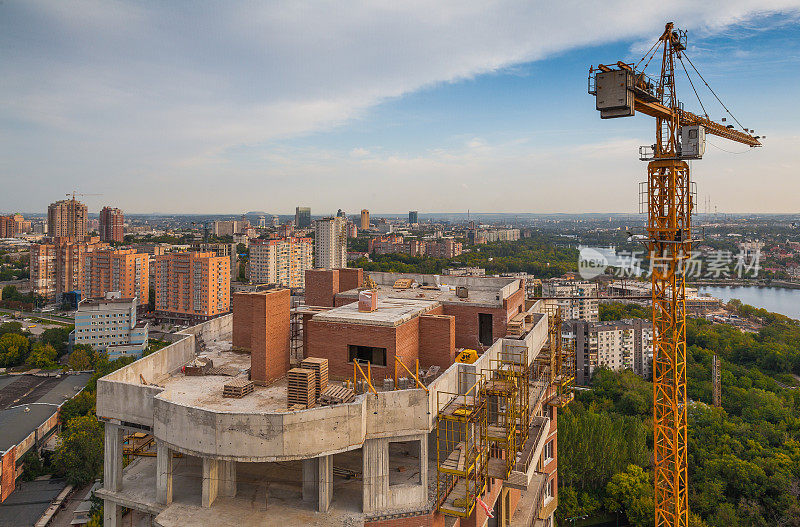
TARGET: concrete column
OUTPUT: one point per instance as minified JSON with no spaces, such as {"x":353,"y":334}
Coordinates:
{"x":227,"y":478}
{"x":112,"y":514}
{"x":112,"y":458}
{"x":163,"y":474}
{"x":376,"y":474}
{"x":310,"y":475}
{"x":325,"y":482}
{"x":423,"y":463}
{"x":210,"y":481}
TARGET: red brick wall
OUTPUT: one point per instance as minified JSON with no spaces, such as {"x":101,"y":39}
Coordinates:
{"x":261,"y":324}
{"x":343,"y":301}
{"x":467,"y":323}
{"x":478,"y":516}
{"x":9,"y":461}
{"x":350,"y":278}
{"x":514,"y":302}
{"x":437,"y":340}
{"x":407,"y":347}
{"x":321,"y":286}
{"x":331,"y":340}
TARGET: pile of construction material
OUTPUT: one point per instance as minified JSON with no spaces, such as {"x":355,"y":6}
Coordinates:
{"x":336,"y":394}
{"x":320,"y":368}
{"x":237,"y":388}
{"x":198,"y":366}
{"x":302,"y":387}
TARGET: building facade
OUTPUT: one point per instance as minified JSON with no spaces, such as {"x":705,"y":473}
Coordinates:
{"x":67,"y":218}
{"x":58,"y":266}
{"x":577,"y":298}
{"x":364,"y":220}
{"x":112,"y":223}
{"x":413,"y":217}
{"x":302,"y":217}
{"x":281,"y":261}
{"x":330,"y":243}
{"x":109,"y":324}
{"x":123,"y":270}
{"x":228,"y":227}
{"x":616,"y":345}
{"x":7,"y":227}
{"x":192,"y":286}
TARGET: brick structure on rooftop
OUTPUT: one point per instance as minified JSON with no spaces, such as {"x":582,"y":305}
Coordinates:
{"x":261,"y":325}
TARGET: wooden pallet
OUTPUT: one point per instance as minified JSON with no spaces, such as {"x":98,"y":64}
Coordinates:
{"x":335,"y":394}
{"x":301,"y":387}
{"x":320,"y":368}
{"x":237,"y":388}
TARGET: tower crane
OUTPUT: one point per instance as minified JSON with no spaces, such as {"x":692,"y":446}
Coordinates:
{"x":621,"y":90}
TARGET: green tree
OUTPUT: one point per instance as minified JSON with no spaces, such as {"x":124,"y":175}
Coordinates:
{"x":42,"y":356}
{"x":11,"y":327}
{"x":79,"y":454}
{"x":81,"y":404}
{"x":631,"y":492}
{"x":13,"y":349}
{"x":57,"y":337}
{"x":80,"y":359}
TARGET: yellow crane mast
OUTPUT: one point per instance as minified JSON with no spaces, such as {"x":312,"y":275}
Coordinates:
{"x":621,"y":90}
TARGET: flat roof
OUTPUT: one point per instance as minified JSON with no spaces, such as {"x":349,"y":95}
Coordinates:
{"x":29,"y":501}
{"x":205,"y":391}
{"x":390,"y":312}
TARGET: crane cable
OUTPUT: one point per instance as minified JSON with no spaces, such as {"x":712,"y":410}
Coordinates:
{"x":645,"y":56}
{"x":693,"y":88}
{"x":713,"y":92}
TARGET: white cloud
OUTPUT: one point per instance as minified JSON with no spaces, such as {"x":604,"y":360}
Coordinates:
{"x":168,"y":91}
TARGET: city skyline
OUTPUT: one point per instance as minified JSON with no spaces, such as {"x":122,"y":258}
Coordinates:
{"x":479,"y":100}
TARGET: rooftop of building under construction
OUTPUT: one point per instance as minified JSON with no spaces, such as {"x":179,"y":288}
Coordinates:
{"x":390,"y":311}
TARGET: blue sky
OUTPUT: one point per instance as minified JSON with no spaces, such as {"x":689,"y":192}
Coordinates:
{"x":481,"y":106}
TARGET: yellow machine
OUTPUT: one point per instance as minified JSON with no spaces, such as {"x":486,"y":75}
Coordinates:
{"x":467,"y":356}
{"x":621,"y":90}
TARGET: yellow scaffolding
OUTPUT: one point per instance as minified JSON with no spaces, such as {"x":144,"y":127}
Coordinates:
{"x":462,"y":452}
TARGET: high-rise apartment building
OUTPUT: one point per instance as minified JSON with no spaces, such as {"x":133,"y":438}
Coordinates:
{"x":123,"y":270}
{"x":364,"y":220}
{"x":302,"y":217}
{"x":577,"y":298}
{"x":413,"y":217}
{"x":57,"y":267}
{"x":6,"y":227}
{"x":192,"y":286}
{"x":229,"y":227}
{"x":617,"y":345}
{"x":281,"y":261}
{"x":341,"y":214}
{"x":111,"y":225}
{"x":330,"y":243}
{"x":67,"y":218}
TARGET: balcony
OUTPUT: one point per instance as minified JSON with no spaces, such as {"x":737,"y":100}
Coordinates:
{"x":524,"y":472}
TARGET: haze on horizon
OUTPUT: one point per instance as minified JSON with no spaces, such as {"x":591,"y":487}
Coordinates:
{"x":438,"y":108}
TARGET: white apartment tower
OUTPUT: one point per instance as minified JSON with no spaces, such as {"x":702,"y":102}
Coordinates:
{"x":330,"y":243}
{"x":577,"y":299}
{"x":281,"y":261}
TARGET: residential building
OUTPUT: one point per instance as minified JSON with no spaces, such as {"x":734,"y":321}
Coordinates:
{"x":109,"y":324}
{"x":330,"y":243}
{"x":123,"y":270}
{"x":228,"y":250}
{"x":21,"y":225}
{"x":443,"y":248}
{"x":112,"y":225}
{"x":281,"y":261}
{"x":475,"y":236}
{"x":7,"y":227}
{"x":235,"y":449}
{"x":57,"y":266}
{"x":341,"y":214}
{"x":364,"y":220}
{"x":578,"y":299}
{"x":192,"y":286}
{"x":302,"y":217}
{"x":228,"y":227}
{"x":67,"y":218}
{"x":352,"y":230}
{"x":275,"y":221}
{"x":413,"y":217}
{"x":617,"y":345}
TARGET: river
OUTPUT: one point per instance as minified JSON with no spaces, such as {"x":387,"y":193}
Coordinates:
{"x":774,"y":299}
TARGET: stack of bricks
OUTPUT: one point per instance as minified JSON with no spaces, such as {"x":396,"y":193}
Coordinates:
{"x":301,"y":387}
{"x":320,"y":368}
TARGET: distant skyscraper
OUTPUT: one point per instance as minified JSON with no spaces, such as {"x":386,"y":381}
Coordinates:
{"x":330,"y":243}
{"x":302,"y":217}
{"x":6,"y":227}
{"x":364,"y":219}
{"x":341,"y":214}
{"x":275,"y":221}
{"x":262,"y":221}
{"x":413,"y":217}
{"x":66,"y":218}
{"x":111,"y":225}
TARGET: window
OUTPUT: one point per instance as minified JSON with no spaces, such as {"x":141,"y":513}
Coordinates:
{"x":485,"y":328}
{"x":373,"y":355}
{"x":548,"y":451}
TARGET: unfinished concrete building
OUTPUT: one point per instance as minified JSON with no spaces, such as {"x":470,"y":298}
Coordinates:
{"x":402,"y":427}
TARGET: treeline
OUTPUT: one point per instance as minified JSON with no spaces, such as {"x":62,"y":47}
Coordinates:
{"x":536,"y":255}
{"x":744,"y":458}
{"x":18,"y":347}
